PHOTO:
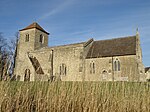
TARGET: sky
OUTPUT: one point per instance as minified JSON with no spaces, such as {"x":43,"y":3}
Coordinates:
{"x":73,"y":21}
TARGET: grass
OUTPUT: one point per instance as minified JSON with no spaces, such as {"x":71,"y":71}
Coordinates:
{"x":74,"y":97}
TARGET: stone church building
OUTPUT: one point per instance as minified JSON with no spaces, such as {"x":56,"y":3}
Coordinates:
{"x":118,"y":59}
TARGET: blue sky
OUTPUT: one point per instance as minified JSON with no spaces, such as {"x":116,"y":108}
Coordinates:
{"x":71,"y":21}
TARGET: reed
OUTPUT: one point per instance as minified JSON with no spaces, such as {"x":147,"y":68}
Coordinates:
{"x":74,"y":97}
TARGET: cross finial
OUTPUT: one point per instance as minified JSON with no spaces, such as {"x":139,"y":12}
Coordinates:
{"x":35,"y":20}
{"x":137,"y":31}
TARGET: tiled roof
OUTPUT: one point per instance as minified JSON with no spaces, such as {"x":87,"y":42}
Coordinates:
{"x":146,"y":69}
{"x":113,"y":47}
{"x":35,"y":25}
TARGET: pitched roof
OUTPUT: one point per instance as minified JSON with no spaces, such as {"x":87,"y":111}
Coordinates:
{"x":34,"y":25}
{"x":113,"y":47}
{"x":146,"y":69}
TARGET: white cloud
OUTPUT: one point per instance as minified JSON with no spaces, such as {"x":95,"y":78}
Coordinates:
{"x":57,"y":9}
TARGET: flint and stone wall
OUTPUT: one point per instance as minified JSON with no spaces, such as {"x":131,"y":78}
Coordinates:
{"x":104,"y":69}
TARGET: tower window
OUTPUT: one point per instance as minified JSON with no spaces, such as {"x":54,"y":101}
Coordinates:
{"x":41,"y":40}
{"x":116,"y":65}
{"x":27,"y":38}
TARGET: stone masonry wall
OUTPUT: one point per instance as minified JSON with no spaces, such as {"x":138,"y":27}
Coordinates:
{"x":128,"y":70}
{"x":22,"y":60}
{"x":68,"y":55}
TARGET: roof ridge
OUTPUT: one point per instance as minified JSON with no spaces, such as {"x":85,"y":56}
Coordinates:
{"x":116,"y":38}
{"x":68,"y":44}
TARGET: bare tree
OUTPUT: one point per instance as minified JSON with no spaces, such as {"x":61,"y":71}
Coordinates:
{"x":3,"y":56}
{"x":15,"y":48}
{"x":12,"y":55}
{"x":8,"y":52}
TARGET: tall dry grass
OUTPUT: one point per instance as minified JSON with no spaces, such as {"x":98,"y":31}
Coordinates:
{"x":74,"y":97}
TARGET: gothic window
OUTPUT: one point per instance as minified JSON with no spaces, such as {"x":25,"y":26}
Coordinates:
{"x":27,"y":38}
{"x":60,"y":70}
{"x":117,"y":65}
{"x":41,"y":38}
{"x":63,"y":69}
{"x":92,"y":68}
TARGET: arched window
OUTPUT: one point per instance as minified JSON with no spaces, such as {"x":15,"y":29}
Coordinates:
{"x":80,"y":67}
{"x":60,"y":70}
{"x":27,"y":75}
{"x":92,"y":68}
{"x":27,"y":38}
{"x":117,"y":65}
{"x":41,"y":38}
{"x":63,"y":69}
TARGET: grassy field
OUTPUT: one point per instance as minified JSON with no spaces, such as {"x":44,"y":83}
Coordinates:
{"x":74,"y":97}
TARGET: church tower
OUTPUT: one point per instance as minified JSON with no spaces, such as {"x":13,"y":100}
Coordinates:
{"x":33,"y":37}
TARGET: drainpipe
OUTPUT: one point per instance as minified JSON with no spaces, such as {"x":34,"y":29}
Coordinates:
{"x":52,"y":61}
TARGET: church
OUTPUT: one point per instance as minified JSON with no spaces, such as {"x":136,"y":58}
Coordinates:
{"x":118,"y":59}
